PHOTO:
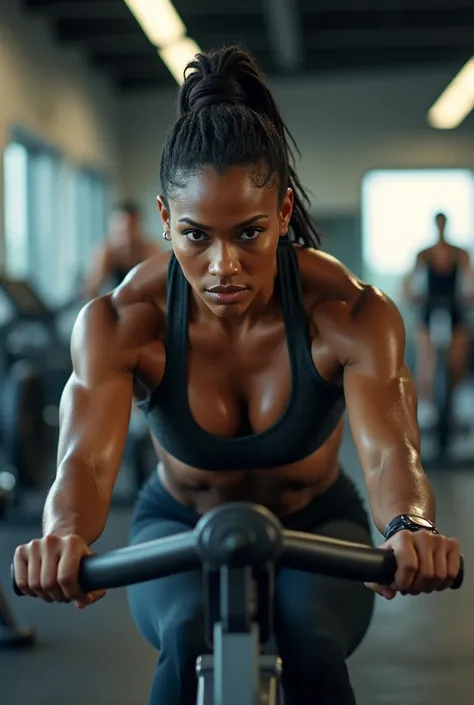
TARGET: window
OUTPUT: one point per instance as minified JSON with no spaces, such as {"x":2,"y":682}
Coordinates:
{"x":44,"y":202}
{"x":17,"y":249}
{"x":68,"y":234}
{"x":398,"y":209}
{"x":91,"y":208}
{"x":55,"y":216}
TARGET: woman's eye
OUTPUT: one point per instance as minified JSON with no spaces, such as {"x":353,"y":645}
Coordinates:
{"x":195,"y":235}
{"x":250,"y":234}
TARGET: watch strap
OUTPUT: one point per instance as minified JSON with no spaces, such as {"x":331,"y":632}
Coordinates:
{"x":405,"y":522}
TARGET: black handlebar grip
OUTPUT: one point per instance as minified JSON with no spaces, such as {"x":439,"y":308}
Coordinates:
{"x":455,"y":586}
{"x":16,"y":589}
{"x":460,"y":576}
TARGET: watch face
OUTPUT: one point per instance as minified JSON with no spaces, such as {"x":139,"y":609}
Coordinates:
{"x":420,"y":521}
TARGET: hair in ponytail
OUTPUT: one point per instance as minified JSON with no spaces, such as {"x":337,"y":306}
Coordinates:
{"x":228,"y":117}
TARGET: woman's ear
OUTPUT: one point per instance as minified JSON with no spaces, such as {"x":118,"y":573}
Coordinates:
{"x":164,"y":212}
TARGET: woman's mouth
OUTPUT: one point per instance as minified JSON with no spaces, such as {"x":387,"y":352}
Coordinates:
{"x":227,"y":294}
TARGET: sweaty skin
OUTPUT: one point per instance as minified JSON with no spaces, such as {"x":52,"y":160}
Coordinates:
{"x":357,"y":341}
{"x":225,"y":230}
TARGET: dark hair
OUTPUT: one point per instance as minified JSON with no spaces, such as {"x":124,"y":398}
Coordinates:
{"x":128,"y":207}
{"x":441,"y":215}
{"x":228,"y":117}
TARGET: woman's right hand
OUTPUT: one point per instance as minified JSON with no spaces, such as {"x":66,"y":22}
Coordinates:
{"x":49,"y":568}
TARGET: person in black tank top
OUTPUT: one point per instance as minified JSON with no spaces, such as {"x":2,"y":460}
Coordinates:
{"x":125,"y":247}
{"x":243,"y":349}
{"x":447,"y":280}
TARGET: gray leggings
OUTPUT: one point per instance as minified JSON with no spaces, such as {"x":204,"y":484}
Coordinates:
{"x":319,"y":621}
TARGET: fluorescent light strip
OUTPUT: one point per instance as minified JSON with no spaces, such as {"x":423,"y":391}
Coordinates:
{"x":158,"y":19}
{"x":176,"y":56}
{"x":456,"y":101}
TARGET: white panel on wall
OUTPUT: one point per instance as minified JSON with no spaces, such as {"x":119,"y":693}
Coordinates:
{"x":398,"y":219}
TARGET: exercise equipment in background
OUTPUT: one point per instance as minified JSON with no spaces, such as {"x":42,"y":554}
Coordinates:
{"x":441,"y":333}
{"x":11,"y":634}
{"x":447,"y":431}
{"x":35,"y":364}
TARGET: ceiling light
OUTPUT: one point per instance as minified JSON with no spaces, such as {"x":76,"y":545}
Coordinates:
{"x":456,"y":101}
{"x":158,"y":19}
{"x":177,"y":55}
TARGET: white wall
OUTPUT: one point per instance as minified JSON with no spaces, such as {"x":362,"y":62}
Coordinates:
{"x":51,"y":92}
{"x":345,"y":126}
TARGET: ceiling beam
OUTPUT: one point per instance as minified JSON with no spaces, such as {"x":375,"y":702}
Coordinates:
{"x":462,"y":37}
{"x":77,"y":9}
{"x":132,"y":44}
{"x":229,"y":8}
{"x":109,"y":44}
{"x":234,"y":8}
{"x":83,"y":29}
{"x":387,"y":56}
{"x":405,"y":6}
{"x":135,"y":64}
{"x":285,"y":33}
{"x":323,"y":40}
{"x":118,"y":8}
{"x":141,"y":83}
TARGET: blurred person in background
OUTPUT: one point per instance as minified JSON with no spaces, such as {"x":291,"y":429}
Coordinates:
{"x":441,"y":272}
{"x":125,"y":247}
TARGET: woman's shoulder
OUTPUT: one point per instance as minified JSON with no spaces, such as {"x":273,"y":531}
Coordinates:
{"x":145,"y":283}
{"x":343,"y":306}
{"x":326,"y":278}
{"x":135,"y":311}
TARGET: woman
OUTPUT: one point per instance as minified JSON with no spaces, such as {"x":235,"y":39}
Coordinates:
{"x":241,"y":352}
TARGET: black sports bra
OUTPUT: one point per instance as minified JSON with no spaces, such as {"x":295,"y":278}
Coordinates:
{"x":312,"y":411}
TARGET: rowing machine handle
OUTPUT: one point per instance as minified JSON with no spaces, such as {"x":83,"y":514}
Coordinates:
{"x":455,"y":586}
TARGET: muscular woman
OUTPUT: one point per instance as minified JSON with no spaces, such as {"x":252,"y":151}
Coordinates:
{"x":126,"y":246}
{"x":242,"y":349}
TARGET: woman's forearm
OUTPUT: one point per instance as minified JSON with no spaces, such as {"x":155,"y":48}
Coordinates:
{"x":76,"y":504}
{"x":400,"y":487}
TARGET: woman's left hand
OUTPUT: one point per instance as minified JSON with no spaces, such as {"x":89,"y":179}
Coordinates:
{"x":426,"y":563}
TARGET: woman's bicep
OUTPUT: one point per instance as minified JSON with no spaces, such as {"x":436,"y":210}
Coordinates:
{"x":94,"y":424}
{"x":96,"y":402}
{"x":380,"y":393}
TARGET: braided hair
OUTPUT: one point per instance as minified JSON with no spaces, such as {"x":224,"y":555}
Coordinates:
{"x":228,"y":118}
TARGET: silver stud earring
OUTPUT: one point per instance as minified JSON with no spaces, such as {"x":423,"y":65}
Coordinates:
{"x":166,"y":235}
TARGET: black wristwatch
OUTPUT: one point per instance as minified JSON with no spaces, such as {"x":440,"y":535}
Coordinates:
{"x":409,"y":522}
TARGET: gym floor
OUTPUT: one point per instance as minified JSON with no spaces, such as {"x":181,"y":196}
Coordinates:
{"x":419,"y":651}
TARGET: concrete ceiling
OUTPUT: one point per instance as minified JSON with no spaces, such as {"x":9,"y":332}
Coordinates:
{"x":288,"y":37}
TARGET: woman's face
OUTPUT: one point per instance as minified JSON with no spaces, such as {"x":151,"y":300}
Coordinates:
{"x":224,"y":232}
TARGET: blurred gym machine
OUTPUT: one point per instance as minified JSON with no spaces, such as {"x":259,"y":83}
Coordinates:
{"x":447,"y":442}
{"x":448,"y":432}
{"x":11,"y":634}
{"x":30,"y":355}
{"x":35,"y":364}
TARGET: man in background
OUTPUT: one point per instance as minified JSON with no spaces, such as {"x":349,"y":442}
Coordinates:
{"x":442,"y":272}
{"x":125,"y":247}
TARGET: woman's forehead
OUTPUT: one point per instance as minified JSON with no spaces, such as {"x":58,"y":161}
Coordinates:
{"x":232,"y":193}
